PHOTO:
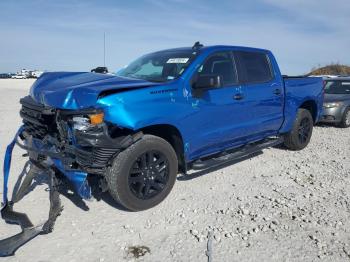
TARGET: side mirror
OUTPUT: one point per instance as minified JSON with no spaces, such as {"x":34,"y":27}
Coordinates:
{"x":207,"y":82}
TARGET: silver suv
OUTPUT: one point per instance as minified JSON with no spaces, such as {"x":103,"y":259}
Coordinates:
{"x":336,"y":106}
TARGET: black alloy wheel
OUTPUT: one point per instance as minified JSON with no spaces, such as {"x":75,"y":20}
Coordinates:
{"x":300,"y":134}
{"x":142,"y":175}
{"x":149,"y":175}
{"x":304,"y":130}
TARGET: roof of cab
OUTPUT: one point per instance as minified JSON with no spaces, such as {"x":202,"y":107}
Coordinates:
{"x":218,"y":47}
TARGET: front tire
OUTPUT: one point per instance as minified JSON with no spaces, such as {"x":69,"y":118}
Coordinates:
{"x":345,"y":122}
{"x":143,"y":175}
{"x":299,"y":137}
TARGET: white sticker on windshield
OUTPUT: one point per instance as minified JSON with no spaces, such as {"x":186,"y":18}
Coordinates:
{"x":345,"y":83}
{"x":177,"y":60}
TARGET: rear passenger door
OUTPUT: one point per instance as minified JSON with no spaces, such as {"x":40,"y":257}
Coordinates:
{"x":263,"y":93}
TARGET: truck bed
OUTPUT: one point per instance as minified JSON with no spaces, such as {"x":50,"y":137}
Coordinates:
{"x":299,"y":89}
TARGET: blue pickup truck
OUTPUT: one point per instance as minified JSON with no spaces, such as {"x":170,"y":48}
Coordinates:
{"x":165,"y":113}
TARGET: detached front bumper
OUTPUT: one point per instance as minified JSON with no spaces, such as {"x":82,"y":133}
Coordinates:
{"x":48,"y":155}
{"x":8,"y":246}
{"x":53,"y":147}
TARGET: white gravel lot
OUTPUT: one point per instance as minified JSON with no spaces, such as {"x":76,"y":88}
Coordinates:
{"x":278,"y":206}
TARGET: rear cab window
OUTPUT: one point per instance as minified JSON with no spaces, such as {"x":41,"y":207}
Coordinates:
{"x":254,"y":67}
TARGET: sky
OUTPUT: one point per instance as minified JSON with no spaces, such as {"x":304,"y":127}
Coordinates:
{"x":67,"y":35}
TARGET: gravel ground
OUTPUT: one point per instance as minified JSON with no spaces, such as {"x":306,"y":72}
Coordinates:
{"x":277,"y":206}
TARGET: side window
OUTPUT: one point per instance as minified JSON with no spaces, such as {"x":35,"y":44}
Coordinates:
{"x":254,"y":67}
{"x":220,"y":64}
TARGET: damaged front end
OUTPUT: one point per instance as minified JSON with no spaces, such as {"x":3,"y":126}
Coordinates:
{"x":59,"y":142}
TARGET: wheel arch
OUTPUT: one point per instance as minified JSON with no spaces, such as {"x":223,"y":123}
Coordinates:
{"x":311,"y":106}
{"x":173,"y":136}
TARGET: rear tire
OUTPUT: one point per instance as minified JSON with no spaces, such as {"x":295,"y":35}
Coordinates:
{"x":345,"y":122}
{"x":299,"y":137}
{"x":143,"y":175}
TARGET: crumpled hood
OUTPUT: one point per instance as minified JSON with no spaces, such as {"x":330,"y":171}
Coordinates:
{"x":330,"y":98}
{"x":66,"y":90}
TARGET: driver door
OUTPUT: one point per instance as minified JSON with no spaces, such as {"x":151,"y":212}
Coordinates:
{"x":219,"y":120}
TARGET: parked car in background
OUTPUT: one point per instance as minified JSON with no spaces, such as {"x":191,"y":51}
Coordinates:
{"x":336,"y":107}
{"x":5,"y":75}
{"x":35,"y":74}
{"x":24,"y":73}
{"x":19,"y":76}
{"x":100,"y":69}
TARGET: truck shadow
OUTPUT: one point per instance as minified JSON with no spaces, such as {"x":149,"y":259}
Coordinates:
{"x":206,"y":171}
{"x":327,"y":125}
{"x":106,"y":197}
{"x":66,"y":189}
{"x":103,"y":195}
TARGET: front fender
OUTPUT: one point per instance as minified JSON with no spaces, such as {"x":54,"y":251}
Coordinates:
{"x":140,"y":108}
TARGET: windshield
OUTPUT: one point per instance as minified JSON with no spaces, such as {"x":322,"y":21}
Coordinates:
{"x":337,"y":87}
{"x":160,"y":66}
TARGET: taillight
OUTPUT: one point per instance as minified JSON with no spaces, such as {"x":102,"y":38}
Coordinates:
{"x":324,"y":86}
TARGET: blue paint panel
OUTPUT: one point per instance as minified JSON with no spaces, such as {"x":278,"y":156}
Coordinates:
{"x":7,"y":164}
{"x":299,"y":91}
{"x":77,"y":178}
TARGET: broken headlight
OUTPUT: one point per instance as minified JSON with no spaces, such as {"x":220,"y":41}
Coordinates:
{"x":82,"y":123}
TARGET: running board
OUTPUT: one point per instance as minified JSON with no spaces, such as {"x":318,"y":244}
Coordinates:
{"x":238,"y":153}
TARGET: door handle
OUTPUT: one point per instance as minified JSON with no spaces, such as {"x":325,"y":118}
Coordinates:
{"x":277,"y":91}
{"x":238,"y":97}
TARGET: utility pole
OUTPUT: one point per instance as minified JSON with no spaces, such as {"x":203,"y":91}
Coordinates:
{"x":104,"y":49}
